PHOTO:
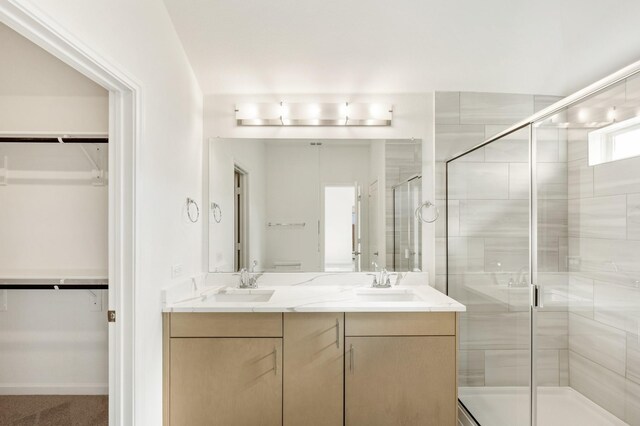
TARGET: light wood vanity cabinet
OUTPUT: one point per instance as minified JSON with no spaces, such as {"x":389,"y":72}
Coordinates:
{"x":314,"y":369}
{"x":317,"y":369}
{"x":223,"y":369}
{"x":401,"y":369}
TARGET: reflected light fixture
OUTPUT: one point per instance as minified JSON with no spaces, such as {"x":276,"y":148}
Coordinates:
{"x":313,"y":114}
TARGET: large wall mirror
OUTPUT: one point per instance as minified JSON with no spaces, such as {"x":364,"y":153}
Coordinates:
{"x":280,"y":205}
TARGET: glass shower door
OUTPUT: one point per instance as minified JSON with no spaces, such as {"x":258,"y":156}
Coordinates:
{"x":407,"y":232}
{"x":488,"y":271}
{"x":586,"y":266}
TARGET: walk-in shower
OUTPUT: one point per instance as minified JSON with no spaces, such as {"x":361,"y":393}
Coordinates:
{"x":407,"y":228}
{"x":543,"y":247}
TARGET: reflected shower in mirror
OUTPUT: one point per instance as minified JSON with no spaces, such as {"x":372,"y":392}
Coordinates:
{"x":314,"y":205}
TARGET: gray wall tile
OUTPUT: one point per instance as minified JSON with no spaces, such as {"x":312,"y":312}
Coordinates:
{"x":581,"y":295}
{"x":495,"y":330}
{"x":577,"y":146}
{"x":511,"y":148}
{"x":617,"y":305}
{"x":506,"y":255}
{"x":519,"y":181}
{"x":633,"y":216}
{"x":633,"y":357}
{"x":512,"y":368}
{"x":453,"y":139}
{"x":552,"y":330}
{"x":540,"y":102}
{"x":617,"y":177}
{"x":580,"y":179}
{"x":598,"y":342}
{"x":632,"y":403}
{"x":601,"y":385}
{"x":549,"y":148}
{"x":616,"y":261}
{"x":494,"y":108}
{"x":447,"y":107}
{"x":599,"y":217}
{"x":471,"y":368}
{"x":478,"y":181}
{"x":551,"y":180}
{"x":498,"y":218}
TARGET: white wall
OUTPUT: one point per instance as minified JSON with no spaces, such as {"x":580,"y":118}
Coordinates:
{"x":224,"y":155}
{"x":412,"y":117}
{"x":138,"y":38}
{"x":41,"y":94}
{"x":54,"y":114}
{"x":293,"y":182}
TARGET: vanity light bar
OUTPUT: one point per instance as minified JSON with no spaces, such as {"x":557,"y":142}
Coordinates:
{"x":313,"y":114}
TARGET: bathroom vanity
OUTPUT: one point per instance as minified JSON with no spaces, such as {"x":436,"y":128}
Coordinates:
{"x":315,"y":354}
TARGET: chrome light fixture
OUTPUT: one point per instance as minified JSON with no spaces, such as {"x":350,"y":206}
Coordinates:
{"x":313,"y":114}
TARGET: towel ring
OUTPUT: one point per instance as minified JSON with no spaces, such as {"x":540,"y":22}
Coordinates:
{"x":427,"y":204}
{"x":191,"y":201}
{"x":216,"y":211}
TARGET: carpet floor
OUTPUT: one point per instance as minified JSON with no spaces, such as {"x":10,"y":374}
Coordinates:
{"x":54,"y":410}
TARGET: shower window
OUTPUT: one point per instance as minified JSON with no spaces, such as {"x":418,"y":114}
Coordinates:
{"x":615,"y":142}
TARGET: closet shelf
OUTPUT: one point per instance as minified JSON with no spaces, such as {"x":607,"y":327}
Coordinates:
{"x":53,"y":284}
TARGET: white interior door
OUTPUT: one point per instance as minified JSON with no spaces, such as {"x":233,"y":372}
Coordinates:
{"x":341,"y":245}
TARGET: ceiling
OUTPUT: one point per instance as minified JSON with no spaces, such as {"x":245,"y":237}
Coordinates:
{"x":28,"y":70}
{"x":405,"y":46}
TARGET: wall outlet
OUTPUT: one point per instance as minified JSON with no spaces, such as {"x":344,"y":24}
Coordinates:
{"x":95,"y":301}
{"x":177,"y":270}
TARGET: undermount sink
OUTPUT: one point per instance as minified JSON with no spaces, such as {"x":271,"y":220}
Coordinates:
{"x":386,"y":295}
{"x":240,"y":295}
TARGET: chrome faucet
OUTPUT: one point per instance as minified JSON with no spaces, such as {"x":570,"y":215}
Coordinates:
{"x":249,"y":279}
{"x":382,"y":278}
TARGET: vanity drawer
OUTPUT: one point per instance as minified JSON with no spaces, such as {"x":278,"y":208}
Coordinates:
{"x":226,"y":324}
{"x":400,"y":324}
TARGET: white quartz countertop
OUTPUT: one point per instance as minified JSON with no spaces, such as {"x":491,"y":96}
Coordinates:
{"x":327,"y":295}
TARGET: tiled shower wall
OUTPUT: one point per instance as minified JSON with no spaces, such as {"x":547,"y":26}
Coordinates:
{"x":604,"y":264}
{"x":488,"y":236}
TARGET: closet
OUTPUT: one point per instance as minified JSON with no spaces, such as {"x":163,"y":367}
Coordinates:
{"x":54,"y":257}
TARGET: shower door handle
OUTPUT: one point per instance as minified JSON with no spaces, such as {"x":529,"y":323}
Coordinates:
{"x":537,"y":297}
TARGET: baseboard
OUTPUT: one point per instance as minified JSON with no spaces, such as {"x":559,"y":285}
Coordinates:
{"x":54,"y":389}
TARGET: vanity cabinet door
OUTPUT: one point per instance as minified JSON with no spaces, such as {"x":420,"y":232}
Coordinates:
{"x":408,"y":381}
{"x":226,"y":381}
{"x":314,"y":369}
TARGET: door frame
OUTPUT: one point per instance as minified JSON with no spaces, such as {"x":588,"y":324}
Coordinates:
{"x":124,"y":136}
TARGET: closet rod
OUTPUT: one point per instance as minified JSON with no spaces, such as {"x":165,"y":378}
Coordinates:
{"x":32,"y":139}
{"x":54,"y":286}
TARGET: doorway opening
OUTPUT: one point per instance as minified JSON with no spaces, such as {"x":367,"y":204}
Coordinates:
{"x":240,"y":219}
{"x":123,"y":125}
{"x":342,"y":240}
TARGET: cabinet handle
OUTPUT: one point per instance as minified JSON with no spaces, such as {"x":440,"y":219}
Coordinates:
{"x":337,"y":333}
{"x":351,"y":366}
{"x":275,"y":361}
